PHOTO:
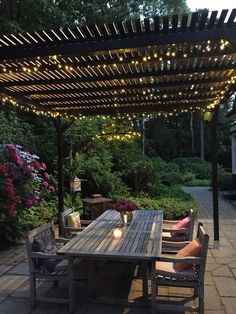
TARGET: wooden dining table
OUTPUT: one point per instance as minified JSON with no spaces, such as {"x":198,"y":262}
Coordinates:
{"x":140,"y":241}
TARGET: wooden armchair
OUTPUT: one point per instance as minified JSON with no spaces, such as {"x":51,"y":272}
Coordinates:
{"x":164,"y":273}
{"x":44,"y":263}
{"x":183,"y":234}
{"x":69,"y":232}
{"x":172,"y":247}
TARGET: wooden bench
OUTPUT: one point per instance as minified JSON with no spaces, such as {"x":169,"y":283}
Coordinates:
{"x":48,"y":266}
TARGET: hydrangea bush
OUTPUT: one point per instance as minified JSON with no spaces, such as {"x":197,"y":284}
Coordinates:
{"x":23,"y":181}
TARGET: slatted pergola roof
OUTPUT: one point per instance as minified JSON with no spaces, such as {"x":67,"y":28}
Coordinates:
{"x":160,"y":64}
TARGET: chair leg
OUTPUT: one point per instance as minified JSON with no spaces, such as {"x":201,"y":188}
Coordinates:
{"x":55,"y":283}
{"x":201,"y":299}
{"x":153,"y":288}
{"x":32,"y":291}
{"x":71,"y":287}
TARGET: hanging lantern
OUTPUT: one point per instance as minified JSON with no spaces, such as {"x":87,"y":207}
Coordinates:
{"x":207,"y":117}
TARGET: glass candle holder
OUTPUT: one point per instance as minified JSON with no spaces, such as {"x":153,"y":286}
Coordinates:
{"x":117,"y":233}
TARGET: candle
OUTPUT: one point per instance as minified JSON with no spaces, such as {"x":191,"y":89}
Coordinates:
{"x":117,"y":233}
{"x":125,"y":218}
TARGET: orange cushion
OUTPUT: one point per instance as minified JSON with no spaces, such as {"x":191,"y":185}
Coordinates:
{"x":194,"y":249}
{"x":184,"y":223}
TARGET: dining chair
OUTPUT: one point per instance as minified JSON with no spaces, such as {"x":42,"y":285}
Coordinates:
{"x":45,"y":264}
{"x":68,"y":231}
{"x":172,"y":230}
{"x":165,"y":273}
{"x":172,"y":247}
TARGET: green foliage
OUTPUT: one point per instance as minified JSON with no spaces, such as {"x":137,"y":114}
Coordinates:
{"x":171,"y":178}
{"x":198,"y":182}
{"x":35,"y":15}
{"x":225,"y":181}
{"x":14,"y":130}
{"x":200,"y":168}
{"x":175,"y":203}
{"x":13,"y":228}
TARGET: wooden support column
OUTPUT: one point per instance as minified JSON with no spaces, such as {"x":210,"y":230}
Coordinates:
{"x":60,"y":129}
{"x":214,"y":158}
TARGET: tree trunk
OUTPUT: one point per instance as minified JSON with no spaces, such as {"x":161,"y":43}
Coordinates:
{"x":192,"y":133}
{"x":202,"y":149}
{"x":143,"y":135}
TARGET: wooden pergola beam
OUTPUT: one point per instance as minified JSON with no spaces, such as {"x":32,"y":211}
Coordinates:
{"x":123,"y":76}
{"x":105,"y":43}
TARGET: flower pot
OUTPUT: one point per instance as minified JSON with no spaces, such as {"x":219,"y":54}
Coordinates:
{"x":126,"y":217}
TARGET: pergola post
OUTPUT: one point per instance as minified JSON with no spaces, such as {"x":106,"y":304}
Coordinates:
{"x":214,"y":157}
{"x":59,"y":130}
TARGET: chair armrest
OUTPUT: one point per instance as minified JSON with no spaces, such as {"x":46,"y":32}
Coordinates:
{"x":62,"y":240}
{"x":70,"y":229}
{"x":41,"y":255}
{"x":178,"y":259}
{"x":182,"y":230}
{"x":170,"y":221}
{"x":86,"y":222}
{"x":174,"y":245}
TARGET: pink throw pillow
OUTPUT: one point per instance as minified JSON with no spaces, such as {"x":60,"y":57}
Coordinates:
{"x":184,"y":223}
{"x":194,"y":249}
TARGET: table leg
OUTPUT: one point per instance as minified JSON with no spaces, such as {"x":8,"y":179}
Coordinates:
{"x":153,"y":288}
{"x":71,"y":286}
{"x":91,"y":271}
{"x":145,"y":280}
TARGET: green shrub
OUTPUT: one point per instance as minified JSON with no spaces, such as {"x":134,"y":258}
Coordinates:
{"x":171,"y":178}
{"x":225,"y":181}
{"x":175,"y":203}
{"x":200,"y":168}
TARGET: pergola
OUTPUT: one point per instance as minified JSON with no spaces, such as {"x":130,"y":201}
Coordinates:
{"x":161,"y":64}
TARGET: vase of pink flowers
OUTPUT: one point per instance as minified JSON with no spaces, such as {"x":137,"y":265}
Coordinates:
{"x":126,"y":208}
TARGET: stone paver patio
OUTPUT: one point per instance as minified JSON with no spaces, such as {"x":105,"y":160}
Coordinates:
{"x":220,"y":281}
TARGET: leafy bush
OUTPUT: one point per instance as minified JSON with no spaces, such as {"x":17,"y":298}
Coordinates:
{"x":200,"y":168}
{"x":174,"y":202}
{"x":171,"y":178}
{"x":225,"y":181}
{"x":101,"y":178}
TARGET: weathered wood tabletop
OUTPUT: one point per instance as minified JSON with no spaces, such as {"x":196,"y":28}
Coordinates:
{"x":140,"y":241}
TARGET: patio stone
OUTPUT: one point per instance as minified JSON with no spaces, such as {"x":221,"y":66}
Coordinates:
{"x":222,"y":271}
{"x":233,"y":242}
{"x":229,"y":303}
{"x":234,"y":272}
{"x":4,"y":269}
{"x":20,"y":269}
{"x":9,"y":283}
{"x":226,"y":286}
{"x":207,"y":311}
{"x":232,"y":264}
{"x":224,"y":260}
{"x":209,"y":279}
{"x":212,"y":299}
{"x":15,"y":305}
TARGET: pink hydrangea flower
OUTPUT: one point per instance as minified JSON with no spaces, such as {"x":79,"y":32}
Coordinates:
{"x":11,"y":212}
{"x":45,"y":184}
{"x":46,"y":176}
{"x":43,"y":166}
{"x":3,"y":168}
{"x":51,"y":188}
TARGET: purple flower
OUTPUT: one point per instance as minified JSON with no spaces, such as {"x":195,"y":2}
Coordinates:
{"x":125,"y":205}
